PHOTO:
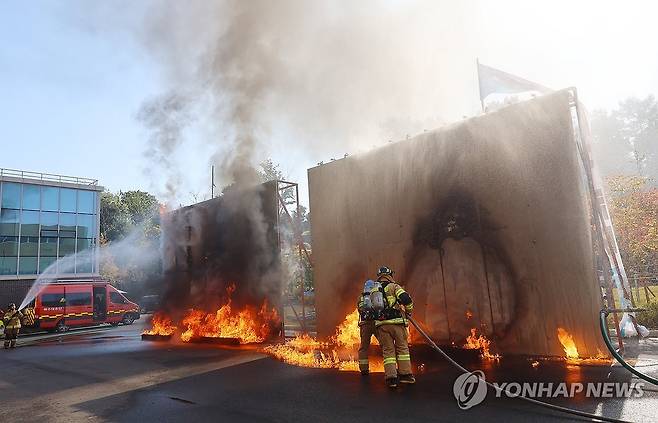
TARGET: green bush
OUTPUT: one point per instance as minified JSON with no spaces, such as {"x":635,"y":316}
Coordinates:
{"x":649,"y":318}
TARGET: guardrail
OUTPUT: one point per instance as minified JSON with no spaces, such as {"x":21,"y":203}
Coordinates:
{"x":47,"y":177}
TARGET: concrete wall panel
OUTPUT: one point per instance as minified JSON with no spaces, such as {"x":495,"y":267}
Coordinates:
{"x":488,"y":215}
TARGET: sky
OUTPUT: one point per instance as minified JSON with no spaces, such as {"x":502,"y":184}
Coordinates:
{"x":73,"y":78}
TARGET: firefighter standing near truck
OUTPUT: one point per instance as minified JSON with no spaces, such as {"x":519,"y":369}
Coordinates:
{"x":12,"y":320}
{"x":392,"y":330}
{"x":367,"y":316}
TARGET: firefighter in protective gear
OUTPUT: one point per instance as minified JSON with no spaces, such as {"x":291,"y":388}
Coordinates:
{"x":392,"y":330}
{"x":12,"y":320}
{"x":367,"y":331}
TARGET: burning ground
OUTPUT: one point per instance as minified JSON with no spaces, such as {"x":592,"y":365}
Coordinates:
{"x":245,"y":325}
{"x":339,"y":352}
{"x":252,"y":326}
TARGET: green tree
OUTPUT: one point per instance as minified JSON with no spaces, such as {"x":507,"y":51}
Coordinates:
{"x":634,"y":210}
{"x":135,"y":214}
{"x":115,"y":218}
{"x":141,"y":206}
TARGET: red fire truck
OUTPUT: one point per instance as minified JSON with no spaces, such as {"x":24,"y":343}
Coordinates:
{"x":71,"y":303}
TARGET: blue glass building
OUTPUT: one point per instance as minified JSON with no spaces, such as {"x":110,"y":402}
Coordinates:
{"x":44,"y":218}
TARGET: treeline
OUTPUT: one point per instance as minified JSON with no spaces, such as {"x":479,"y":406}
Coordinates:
{"x":626,"y":152}
{"x":131,"y":266}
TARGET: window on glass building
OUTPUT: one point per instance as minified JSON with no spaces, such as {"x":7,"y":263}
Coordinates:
{"x":11,"y":195}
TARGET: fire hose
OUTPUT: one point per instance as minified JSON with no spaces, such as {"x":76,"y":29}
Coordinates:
{"x":604,"y":332}
{"x":595,"y":417}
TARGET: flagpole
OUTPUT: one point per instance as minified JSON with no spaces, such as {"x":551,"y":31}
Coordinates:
{"x":477,"y":63}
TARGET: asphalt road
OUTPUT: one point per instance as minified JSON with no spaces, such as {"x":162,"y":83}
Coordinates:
{"x":111,"y":375}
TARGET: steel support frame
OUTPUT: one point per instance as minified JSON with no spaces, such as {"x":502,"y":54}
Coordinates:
{"x":302,"y":251}
{"x":603,"y":249}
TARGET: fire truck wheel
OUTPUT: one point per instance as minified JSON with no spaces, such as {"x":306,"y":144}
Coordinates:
{"x":128,"y":319}
{"x":61,"y":326}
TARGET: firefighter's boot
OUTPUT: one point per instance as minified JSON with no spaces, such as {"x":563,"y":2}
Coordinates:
{"x":408,"y":378}
{"x":392,"y":382}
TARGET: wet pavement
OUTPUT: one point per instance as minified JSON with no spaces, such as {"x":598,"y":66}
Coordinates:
{"x":109,"y":374}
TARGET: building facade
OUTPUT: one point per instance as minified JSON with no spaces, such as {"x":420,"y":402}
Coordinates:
{"x":49,"y":224}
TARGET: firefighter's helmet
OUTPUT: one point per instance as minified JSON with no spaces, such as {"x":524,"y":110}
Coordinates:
{"x":384,"y":271}
{"x":11,"y":306}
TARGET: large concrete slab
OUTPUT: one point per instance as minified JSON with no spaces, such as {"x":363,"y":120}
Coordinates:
{"x":489,"y":215}
{"x":228,"y":240}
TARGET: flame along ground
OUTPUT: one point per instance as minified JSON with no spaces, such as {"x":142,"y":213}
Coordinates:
{"x":252,"y":325}
{"x":473,"y":341}
{"x":306,"y":351}
{"x":249,"y":325}
{"x":571,"y":351}
{"x":340,"y":352}
{"x":161,"y":325}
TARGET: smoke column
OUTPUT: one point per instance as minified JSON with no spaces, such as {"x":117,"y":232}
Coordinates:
{"x":317,"y":78}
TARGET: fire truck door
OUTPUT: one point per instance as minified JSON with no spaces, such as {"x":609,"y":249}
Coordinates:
{"x":100,"y":302}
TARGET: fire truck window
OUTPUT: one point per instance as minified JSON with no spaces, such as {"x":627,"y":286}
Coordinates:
{"x":78,"y":298}
{"x":52,"y":300}
{"x":117,"y":298}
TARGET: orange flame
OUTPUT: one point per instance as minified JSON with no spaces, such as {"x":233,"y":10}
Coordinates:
{"x":480,"y":342}
{"x":289,"y":354}
{"x":306,"y":351}
{"x":307,"y":342}
{"x":348,"y":333}
{"x":161,"y":325}
{"x":572,"y":355}
{"x":248,"y":325}
{"x":469,"y":314}
{"x":568,"y":344}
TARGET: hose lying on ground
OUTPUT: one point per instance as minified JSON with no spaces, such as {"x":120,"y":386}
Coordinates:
{"x":509,"y":394}
{"x":604,"y":332}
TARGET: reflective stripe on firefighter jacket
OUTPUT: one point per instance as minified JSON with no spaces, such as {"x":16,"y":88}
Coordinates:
{"x":28,"y":316}
{"x":12,"y":319}
{"x":395,"y":296}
